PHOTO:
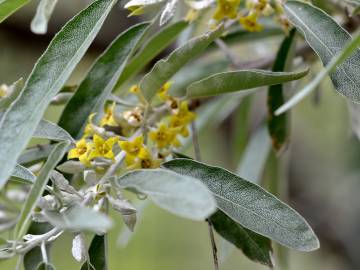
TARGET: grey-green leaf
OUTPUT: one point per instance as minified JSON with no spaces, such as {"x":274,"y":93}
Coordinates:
{"x":79,"y":218}
{"x":250,"y":205}
{"x":47,"y":78}
{"x":38,"y":188}
{"x":178,"y":194}
{"x":8,"y":7}
{"x":234,"y":81}
{"x":166,"y":68}
{"x":100,"y":81}
{"x":43,"y":13}
{"x":23,"y":173}
{"x":256,"y":247}
{"x":151,"y":48}
{"x":97,"y":254}
{"x":328,"y":39}
{"x":51,"y":131}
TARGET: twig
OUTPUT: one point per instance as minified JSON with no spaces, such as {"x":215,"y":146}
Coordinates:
{"x":211,"y":231}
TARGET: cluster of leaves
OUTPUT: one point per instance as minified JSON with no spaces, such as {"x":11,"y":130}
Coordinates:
{"x":101,"y":131}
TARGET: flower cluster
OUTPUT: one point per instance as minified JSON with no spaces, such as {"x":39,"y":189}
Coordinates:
{"x":249,"y":16}
{"x":145,"y":135}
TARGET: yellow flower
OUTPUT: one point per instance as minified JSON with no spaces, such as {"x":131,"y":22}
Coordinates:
{"x":135,"y":89}
{"x":226,"y":9}
{"x":165,"y":136}
{"x":134,"y":117}
{"x":163,"y":91}
{"x":89,"y":128}
{"x":81,"y":151}
{"x":103,"y":148}
{"x":132,"y":148}
{"x":250,"y":23}
{"x":108,"y":119}
{"x":144,"y":160}
{"x":177,"y":122}
{"x":258,"y":5}
{"x":184,"y":113}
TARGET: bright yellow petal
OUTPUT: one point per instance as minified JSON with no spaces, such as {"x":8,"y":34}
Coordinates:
{"x":98,"y":141}
{"x":73,"y":153}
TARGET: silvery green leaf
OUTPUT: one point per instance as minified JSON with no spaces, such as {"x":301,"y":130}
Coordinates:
{"x":35,"y":153}
{"x":168,"y":11}
{"x":328,"y":39}
{"x":126,"y":209}
{"x":71,"y":166}
{"x":14,"y":90}
{"x":23,"y":173}
{"x":164,"y":69}
{"x":250,"y":205}
{"x":130,"y":221}
{"x":38,"y":187}
{"x":61,"y":182}
{"x":136,"y":3}
{"x":178,"y":194}
{"x":79,"y":248}
{"x":240,"y":80}
{"x":8,"y":7}
{"x":47,"y":78}
{"x":79,"y":218}
{"x":45,"y":8}
{"x":51,"y":131}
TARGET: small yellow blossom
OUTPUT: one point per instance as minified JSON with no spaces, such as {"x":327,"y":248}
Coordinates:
{"x":135,"y":89}
{"x":144,"y":160}
{"x":81,"y":151}
{"x":103,"y":148}
{"x":108,"y":119}
{"x":164,"y":136}
{"x":226,"y":9}
{"x":90,"y":127}
{"x":184,"y":113}
{"x":163,"y":91}
{"x":250,"y":23}
{"x":182,"y":118}
{"x":132,"y":148}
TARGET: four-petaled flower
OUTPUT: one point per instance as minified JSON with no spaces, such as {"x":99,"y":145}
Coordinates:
{"x":144,"y":160}
{"x":164,"y":136}
{"x":132,"y":148}
{"x":81,"y":151}
{"x":250,"y":23}
{"x":226,"y":9}
{"x":103,"y":148}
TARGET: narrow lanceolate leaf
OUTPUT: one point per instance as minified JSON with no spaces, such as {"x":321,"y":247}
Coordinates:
{"x":97,"y":254}
{"x":48,"y":130}
{"x":100,"y":81}
{"x":35,"y":154}
{"x":250,"y":205}
{"x":23,"y":173}
{"x":278,"y":125}
{"x":256,"y":247}
{"x":8,"y":7}
{"x":234,"y":81}
{"x":179,"y":194}
{"x":168,"y":11}
{"x":38,"y":188}
{"x":332,"y":66}
{"x":47,"y":78}
{"x":166,"y":68}
{"x":44,"y":10}
{"x":328,"y":39}
{"x":151,"y":49}
{"x":79,"y":218}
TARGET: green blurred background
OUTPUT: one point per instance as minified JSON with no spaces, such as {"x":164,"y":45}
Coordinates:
{"x":323,"y":169}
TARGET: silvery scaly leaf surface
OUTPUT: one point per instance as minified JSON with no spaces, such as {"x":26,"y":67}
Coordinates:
{"x":8,"y":7}
{"x":79,"y":248}
{"x":47,"y":78}
{"x":71,"y":166}
{"x":178,"y":194}
{"x":250,"y":205}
